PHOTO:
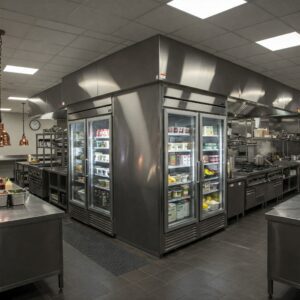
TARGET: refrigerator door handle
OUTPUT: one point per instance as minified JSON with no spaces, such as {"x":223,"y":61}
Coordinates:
{"x":198,"y":171}
{"x":86,"y":167}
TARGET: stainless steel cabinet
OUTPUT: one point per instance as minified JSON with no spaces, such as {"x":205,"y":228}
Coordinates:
{"x":235,"y":198}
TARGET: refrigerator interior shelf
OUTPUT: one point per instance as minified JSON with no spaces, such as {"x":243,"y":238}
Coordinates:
{"x":179,"y":199}
{"x":102,"y":188}
{"x":181,"y":166}
{"x":179,"y":183}
{"x":207,"y":150}
{"x":101,"y":176}
{"x":210,"y":192}
{"x":101,"y":148}
{"x":210,"y":136}
{"x":101,"y":138}
{"x":102,"y":162}
{"x":212,"y":178}
{"x":178,"y":134}
{"x":78,"y":181}
{"x":172,"y":151}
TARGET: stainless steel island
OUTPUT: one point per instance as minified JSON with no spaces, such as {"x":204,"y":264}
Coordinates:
{"x":284,"y":244}
{"x":30,"y":243}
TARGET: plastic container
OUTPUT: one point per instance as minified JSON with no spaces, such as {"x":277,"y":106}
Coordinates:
{"x":3,"y":199}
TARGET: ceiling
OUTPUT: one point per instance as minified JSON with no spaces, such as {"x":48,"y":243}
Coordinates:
{"x":60,"y":36}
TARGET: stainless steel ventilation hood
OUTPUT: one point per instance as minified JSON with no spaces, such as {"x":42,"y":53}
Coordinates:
{"x":162,"y":59}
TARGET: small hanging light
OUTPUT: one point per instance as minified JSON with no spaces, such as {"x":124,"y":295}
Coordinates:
{"x":23,"y":141}
{"x":4,"y":136}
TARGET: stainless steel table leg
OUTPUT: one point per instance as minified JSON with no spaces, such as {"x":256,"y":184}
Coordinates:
{"x":270,"y":288}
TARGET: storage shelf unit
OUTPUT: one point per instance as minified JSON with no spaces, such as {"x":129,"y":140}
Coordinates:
{"x":58,"y":192}
{"x":52,"y":146}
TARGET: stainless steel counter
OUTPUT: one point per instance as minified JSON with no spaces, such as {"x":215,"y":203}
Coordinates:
{"x":33,"y":210}
{"x":284,"y":244}
{"x":58,"y":170}
{"x":286,"y":212}
{"x":30,"y":243}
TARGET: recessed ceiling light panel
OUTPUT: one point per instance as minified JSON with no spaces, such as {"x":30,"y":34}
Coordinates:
{"x":205,"y":8}
{"x":5,"y":109}
{"x":17,"y":98}
{"x":281,"y":41}
{"x":20,"y":70}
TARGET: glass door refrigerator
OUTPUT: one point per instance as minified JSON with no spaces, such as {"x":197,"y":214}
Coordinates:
{"x":90,"y":172}
{"x":78,"y":175}
{"x":99,"y":158}
{"x":181,"y":143}
{"x":212,"y":157}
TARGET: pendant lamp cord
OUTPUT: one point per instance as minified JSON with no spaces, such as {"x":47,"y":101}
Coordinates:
{"x":23,"y":119}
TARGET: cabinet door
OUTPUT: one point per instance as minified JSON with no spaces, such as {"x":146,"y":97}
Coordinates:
{"x":77,"y":159}
{"x":235,"y":198}
{"x":212,"y":155}
{"x":180,"y":168}
{"x":99,"y":160}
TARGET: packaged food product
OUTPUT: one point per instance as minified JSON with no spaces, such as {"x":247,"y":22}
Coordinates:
{"x":177,"y":193}
{"x":185,"y":190}
{"x":172,"y":212}
{"x":180,"y":210}
{"x":186,"y":210}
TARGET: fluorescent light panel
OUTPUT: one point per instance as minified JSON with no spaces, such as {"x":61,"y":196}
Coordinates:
{"x":281,"y":41}
{"x":20,"y":70}
{"x":5,"y":109}
{"x":17,"y":98}
{"x":205,"y":8}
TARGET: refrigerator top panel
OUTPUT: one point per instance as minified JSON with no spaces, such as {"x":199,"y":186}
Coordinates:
{"x":193,"y":106}
{"x":89,"y":104}
{"x":189,"y":94}
{"x":91,"y":113}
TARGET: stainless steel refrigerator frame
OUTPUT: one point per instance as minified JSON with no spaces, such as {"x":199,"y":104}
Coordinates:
{"x":223,"y":137}
{"x":193,"y":220}
{"x":85,"y":213}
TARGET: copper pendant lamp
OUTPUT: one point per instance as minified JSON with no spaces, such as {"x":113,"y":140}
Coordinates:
{"x":23,"y":141}
{"x":4,"y":136}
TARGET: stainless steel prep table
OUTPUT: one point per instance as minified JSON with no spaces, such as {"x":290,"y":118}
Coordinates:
{"x":30,"y":243}
{"x":284,"y":244}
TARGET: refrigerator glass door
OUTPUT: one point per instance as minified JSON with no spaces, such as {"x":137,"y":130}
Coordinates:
{"x":77,"y":159}
{"x":99,"y":157}
{"x":212,"y":155}
{"x":180,"y":159}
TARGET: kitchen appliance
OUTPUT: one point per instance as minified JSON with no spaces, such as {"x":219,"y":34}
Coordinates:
{"x":196,"y":148}
{"x":259,"y":160}
{"x":90,"y":140}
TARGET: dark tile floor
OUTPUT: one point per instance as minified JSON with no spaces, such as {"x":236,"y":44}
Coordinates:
{"x":229,"y":265}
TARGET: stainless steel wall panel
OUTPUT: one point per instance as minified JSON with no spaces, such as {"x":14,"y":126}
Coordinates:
{"x":137,"y":159}
{"x":80,"y":85}
{"x":131,"y":67}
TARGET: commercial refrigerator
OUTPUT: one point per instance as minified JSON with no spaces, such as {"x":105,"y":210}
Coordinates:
{"x":90,"y":199}
{"x":194,"y":168}
{"x":169,"y":166}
